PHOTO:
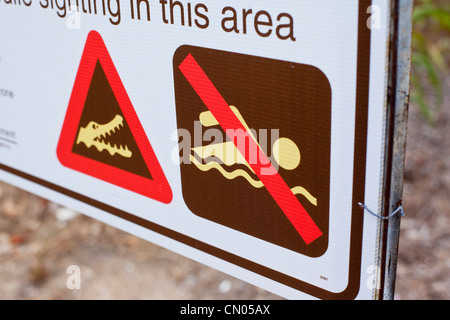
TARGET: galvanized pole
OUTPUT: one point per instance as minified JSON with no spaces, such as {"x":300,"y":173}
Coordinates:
{"x":397,"y":129}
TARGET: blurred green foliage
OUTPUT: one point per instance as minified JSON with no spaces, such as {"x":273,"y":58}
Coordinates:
{"x":430,"y":52}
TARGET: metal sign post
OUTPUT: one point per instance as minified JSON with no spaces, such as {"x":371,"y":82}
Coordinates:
{"x":400,"y":70}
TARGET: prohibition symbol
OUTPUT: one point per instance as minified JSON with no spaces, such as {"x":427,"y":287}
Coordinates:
{"x":280,"y":192}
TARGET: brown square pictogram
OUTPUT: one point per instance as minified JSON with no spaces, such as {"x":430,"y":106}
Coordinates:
{"x":287,"y":107}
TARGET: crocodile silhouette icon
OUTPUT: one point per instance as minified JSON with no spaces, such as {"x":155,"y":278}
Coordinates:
{"x":95,"y":134}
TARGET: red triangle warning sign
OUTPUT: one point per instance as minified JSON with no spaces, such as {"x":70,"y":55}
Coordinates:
{"x":102,"y":135}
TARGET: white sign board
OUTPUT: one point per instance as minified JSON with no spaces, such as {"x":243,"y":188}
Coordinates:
{"x":243,"y":135}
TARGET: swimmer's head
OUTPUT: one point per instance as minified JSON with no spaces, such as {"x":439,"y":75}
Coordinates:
{"x":286,"y":153}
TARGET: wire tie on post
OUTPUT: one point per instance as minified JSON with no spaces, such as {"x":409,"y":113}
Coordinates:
{"x":398,"y":210}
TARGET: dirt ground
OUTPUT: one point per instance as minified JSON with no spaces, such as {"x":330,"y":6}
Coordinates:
{"x":40,"y":240}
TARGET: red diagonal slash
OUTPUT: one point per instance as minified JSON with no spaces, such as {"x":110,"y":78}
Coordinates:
{"x":268,"y":175}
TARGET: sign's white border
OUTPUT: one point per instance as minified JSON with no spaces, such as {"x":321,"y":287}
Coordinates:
{"x":335,"y":23}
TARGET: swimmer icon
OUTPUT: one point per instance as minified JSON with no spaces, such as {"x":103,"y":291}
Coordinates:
{"x":285,"y":152}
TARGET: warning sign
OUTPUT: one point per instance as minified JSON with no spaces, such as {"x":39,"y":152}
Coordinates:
{"x":256,"y":109}
{"x":248,"y":136}
{"x":102,"y":135}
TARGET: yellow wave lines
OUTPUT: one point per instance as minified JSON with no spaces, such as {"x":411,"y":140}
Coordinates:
{"x":244,"y":174}
{"x":229,"y":175}
{"x":305,"y":193}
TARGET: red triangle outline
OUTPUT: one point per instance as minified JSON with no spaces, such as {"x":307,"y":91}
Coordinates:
{"x":157,"y":188}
